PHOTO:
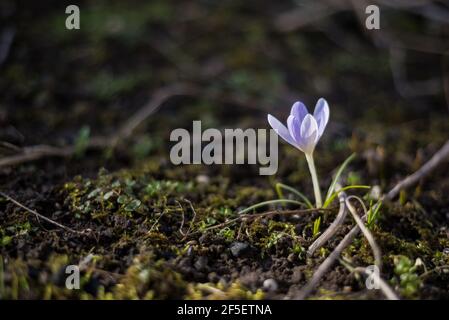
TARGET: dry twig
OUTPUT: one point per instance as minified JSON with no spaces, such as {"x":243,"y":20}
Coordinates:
{"x":330,"y":260}
{"x":407,"y":88}
{"x":374,"y":247}
{"x":38,"y":215}
{"x":300,"y":17}
{"x":333,"y":228}
{"x":437,"y":159}
{"x":327,"y":263}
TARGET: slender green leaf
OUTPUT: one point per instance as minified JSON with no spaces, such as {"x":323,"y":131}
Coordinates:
{"x":373,"y":213}
{"x":338,"y":174}
{"x":333,"y":195}
{"x":265,"y":203}
{"x":280,"y":186}
{"x":316,"y":227}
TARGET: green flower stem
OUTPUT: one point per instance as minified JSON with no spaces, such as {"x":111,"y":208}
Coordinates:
{"x":316,"y":186}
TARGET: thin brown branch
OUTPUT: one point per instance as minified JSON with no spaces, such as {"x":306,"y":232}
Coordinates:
{"x":183,"y":218}
{"x":335,"y":254}
{"x":333,"y":228}
{"x":301,"y":17}
{"x":439,"y":268}
{"x":314,"y":12}
{"x":36,"y":152}
{"x":368,"y":235}
{"x":405,"y":87}
{"x":9,"y":146}
{"x":158,"y":98}
{"x":193,"y":219}
{"x":437,"y":159}
{"x":38,"y":215}
{"x":327,"y":263}
{"x":383,"y":38}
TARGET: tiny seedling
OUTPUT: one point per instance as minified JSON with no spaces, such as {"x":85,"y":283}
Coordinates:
{"x":373,"y":213}
{"x":316,"y":227}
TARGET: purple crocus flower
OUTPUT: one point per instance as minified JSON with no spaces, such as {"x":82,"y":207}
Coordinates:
{"x":303,"y":130}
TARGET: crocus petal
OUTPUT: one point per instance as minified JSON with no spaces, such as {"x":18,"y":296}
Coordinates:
{"x":309,"y":134}
{"x":294,"y":126}
{"x":281,"y":130}
{"x":299,"y":111}
{"x":321,"y":115}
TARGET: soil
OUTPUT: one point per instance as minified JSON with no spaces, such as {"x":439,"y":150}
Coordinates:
{"x":143,"y":224}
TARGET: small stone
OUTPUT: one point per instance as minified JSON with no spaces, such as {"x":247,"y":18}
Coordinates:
{"x":270,"y":285}
{"x":203,"y":238}
{"x":292,"y":257}
{"x":297,"y":275}
{"x":446,"y":250}
{"x":202,"y":179}
{"x":250,"y":280}
{"x":201,"y":263}
{"x":239,"y":248}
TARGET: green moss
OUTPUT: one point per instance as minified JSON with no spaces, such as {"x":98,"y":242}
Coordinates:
{"x":219,"y":291}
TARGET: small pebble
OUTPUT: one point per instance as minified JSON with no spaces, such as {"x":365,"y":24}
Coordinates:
{"x":202,"y":178}
{"x":201,"y":263}
{"x":270,"y":285}
{"x":446,"y":250}
{"x":292,"y":257}
{"x":238,"y":248}
{"x":297,"y":275}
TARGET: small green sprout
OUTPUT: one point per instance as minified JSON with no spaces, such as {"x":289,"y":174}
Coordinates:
{"x":316,"y":227}
{"x":409,"y":282}
{"x":227,"y":233}
{"x":373,"y":213}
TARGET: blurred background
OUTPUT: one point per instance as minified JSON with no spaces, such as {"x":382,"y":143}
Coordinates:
{"x":109,"y":94}
{"x":228,"y":64}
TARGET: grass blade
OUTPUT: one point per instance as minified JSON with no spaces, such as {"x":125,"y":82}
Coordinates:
{"x":338,"y":174}
{"x":334,"y":195}
{"x":280,"y":186}
{"x":265,"y":203}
